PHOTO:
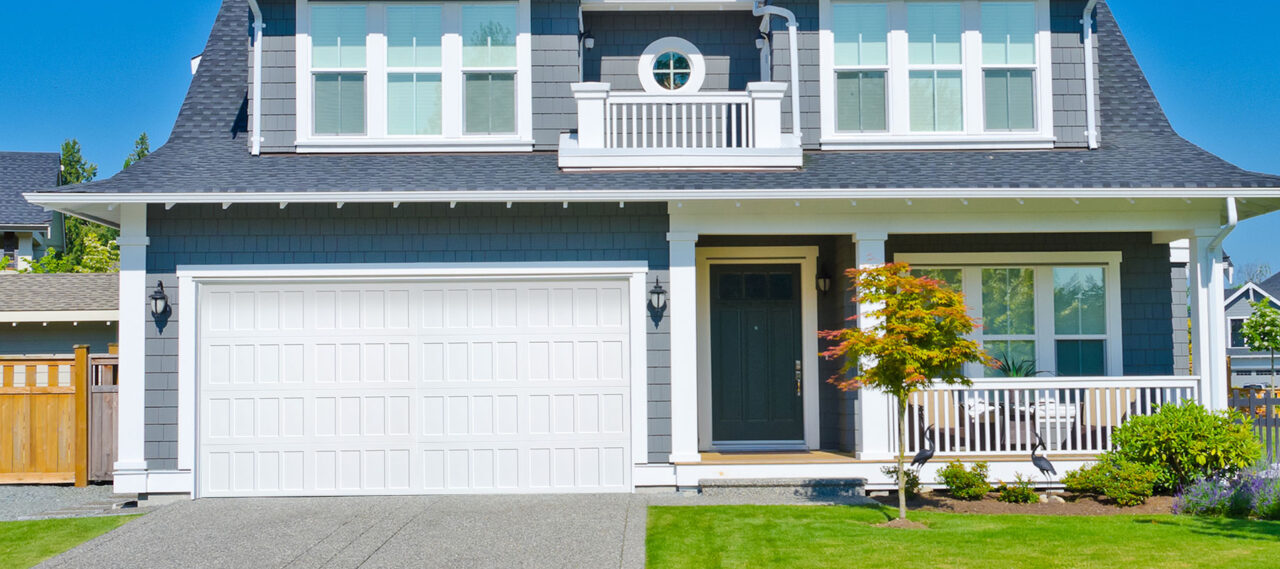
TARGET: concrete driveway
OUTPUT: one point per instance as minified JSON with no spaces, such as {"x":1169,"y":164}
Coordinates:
{"x":415,"y":531}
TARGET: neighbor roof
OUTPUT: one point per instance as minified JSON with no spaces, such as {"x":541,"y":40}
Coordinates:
{"x":21,"y":172}
{"x":59,"y":292}
{"x":208,"y":151}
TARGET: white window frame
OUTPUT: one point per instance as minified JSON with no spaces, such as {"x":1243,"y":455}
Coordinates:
{"x":974,"y":135}
{"x":453,"y":137}
{"x":1231,"y":337}
{"x":1046,"y":336}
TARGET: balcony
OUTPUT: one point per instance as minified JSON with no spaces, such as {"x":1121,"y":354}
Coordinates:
{"x":628,"y":130}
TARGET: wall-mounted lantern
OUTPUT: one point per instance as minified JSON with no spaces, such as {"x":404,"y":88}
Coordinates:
{"x":588,"y":40}
{"x":657,"y":302}
{"x":159,"y":301}
{"x":824,"y":282}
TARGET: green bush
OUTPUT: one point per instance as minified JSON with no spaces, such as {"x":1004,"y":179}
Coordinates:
{"x":912,"y":481}
{"x":963,"y":483}
{"x":1085,"y":480}
{"x":1020,"y":492}
{"x":1187,"y":442}
{"x":1126,"y":482}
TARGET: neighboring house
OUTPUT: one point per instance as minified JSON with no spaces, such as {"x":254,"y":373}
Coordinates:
{"x":1247,"y":366}
{"x":48,"y":315}
{"x":587,"y":245}
{"x":27,"y":230}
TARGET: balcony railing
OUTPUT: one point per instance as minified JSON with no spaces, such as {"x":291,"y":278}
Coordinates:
{"x":708,"y":130}
{"x":1006,"y":417}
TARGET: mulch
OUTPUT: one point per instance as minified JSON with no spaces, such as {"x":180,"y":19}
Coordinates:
{"x":1074,"y":505}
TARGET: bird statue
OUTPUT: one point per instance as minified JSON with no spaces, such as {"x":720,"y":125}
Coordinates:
{"x":1046,"y":467}
{"x":925,"y":453}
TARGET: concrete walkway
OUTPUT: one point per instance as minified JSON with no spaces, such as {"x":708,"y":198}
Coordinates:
{"x":564,"y":531}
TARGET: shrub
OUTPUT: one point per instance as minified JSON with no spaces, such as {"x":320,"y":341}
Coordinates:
{"x":1266,"y":504}
{"x":1085,"y":480}
{"x":1020,"y":492}
{"x":1205,"y":497}
{"x":1127,"y":483}
{"x":912,"y":479}
{"x":1187,"y":442}
{"x":963,"y":483}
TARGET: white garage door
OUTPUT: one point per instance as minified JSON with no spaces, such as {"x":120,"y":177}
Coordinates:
{"x":461,"y":386}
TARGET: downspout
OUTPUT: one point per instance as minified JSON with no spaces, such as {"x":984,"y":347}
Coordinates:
{"x":256,"y":100}
{"x":1214,"y":310}
{"x":1233,"y":218}
{"x":760,"y":9}
{"x":1091,"y":107}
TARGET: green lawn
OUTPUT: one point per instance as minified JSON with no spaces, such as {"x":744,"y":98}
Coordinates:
{"x":24,"y":544}
{"x":841,"y":536}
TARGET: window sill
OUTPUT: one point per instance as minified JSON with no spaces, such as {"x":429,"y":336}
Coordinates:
{"x":358,"y":145}
{"x":881,"y":141}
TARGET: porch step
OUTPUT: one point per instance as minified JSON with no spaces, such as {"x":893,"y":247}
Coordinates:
{"x":802,"y":488}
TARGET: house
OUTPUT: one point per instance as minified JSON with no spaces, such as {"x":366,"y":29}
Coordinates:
{"x":586,"y":245}
{"x":26,"y":230}
{"x":1249,"y":367}
{"x":50,"y":314}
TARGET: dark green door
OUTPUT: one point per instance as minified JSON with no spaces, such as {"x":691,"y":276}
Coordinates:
{"x":755,"y":353}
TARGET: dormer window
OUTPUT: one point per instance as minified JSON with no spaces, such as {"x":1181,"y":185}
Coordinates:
{"x":414,"y":76}
{"x":908,"y":74}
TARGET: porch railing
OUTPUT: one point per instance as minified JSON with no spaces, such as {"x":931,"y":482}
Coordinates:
{"x":627,"y":129}
{"x":997,"y":417}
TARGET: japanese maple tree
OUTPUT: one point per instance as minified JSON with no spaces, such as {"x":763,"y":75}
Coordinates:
{"x":918,"y":339}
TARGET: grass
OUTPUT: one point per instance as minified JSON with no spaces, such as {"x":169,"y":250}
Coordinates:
{"x":24,"y":544}
{"x":842,"y":536}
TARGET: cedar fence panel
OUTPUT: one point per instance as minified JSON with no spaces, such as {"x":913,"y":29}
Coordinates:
{"x":103,"y":406}
{"x":43,"y":426}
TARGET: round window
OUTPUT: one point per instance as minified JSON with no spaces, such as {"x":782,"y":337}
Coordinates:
{"x":671,"y":70}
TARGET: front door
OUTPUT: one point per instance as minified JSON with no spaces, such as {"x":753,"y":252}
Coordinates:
{"x":756,"y":355}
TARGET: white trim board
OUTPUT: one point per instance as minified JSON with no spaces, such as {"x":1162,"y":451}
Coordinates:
{"x":807,"y":258}
{"x":61,"y":316}
{"x":1250,"y":286}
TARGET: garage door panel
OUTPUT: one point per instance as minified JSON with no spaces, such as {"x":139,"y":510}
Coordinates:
{"x":409,"y":387}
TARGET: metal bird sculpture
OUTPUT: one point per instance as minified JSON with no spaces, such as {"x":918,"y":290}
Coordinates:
{"x":1040,"y":462}
{"x":925,"y":453}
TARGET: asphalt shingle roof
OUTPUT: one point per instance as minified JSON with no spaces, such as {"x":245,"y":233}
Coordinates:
{"x":21,"y":172}
{"x":59,"y":292}
{"x":207,"y":151}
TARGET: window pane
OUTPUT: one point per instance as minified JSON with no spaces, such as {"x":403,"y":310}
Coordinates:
{"x":937,"y":101}
{"x":1008,"y":301}
{"x":933,"y":32}
{"x":1010,"y":99}
{"x":1079,"y":300}
{"x":413,"y":103}
{"x":1014,"y":358}
{"x":1081,"y":358}
{"x":861,"y":32}
{"x":1237,"y":335}
{"x":1008,"y":33}
{"x":491,"y":103}
{"x":337,"y":36}
{"x":489,"y":35}
{"x":950,"y":278}
{"x":860,"y":101}
{"x":413,"y":36}
{"x":339,"y":103}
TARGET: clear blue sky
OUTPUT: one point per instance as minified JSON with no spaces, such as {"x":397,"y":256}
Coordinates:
{"x":103,"y":72}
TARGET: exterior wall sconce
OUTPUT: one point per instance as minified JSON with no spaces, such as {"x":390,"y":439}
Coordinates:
{"x":657,"y":302}
{"x":588,"y":40}
{"x":159,"y":301}
{"x":824,"y":283}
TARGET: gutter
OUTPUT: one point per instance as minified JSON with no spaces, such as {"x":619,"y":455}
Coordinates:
{"x":1233,"y":218}
{"x":256,"y":99}
{"x":1090,"y":88}
{"x":760,"y":9}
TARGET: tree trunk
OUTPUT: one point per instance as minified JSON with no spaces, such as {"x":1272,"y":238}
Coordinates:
{"x":902,"y":458}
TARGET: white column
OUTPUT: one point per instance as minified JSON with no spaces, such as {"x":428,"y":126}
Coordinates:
{"x":683,"y":312}
{"x":766,"y":113}
{"x":26,"y":251}
{"x":131,"y":464}
{"x":877,"y":408}
{"x":592,"y":98}
{"x":1208,"y":321}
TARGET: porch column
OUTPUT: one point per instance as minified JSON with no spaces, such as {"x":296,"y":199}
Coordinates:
{"x":876,"y":412}
{"x":26,"y":251}
{"x":1208,"y":320}
{"x":683,"y":312}
{"x":131,"y":462}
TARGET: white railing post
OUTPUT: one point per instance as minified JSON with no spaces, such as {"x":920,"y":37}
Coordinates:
{"x":592,"y":100}
{"x":766,"y":113}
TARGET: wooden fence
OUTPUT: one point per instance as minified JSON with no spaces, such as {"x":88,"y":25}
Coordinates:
{"x":49,"y":407}
{"x":1263,"y":405}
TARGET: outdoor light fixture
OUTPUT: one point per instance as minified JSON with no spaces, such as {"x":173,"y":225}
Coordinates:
{"x":159,"y":301}
{"x":588,"y":40}
{"x":824,"y":283}
{"x":657,"y":302}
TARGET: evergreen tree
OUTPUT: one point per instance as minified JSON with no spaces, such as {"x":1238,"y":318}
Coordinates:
{"x":141,"y":148}
{"x":82,"y":237}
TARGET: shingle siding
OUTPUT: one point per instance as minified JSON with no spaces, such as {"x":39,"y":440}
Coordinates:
{"x":725,"y":39}
{"x":279,"y":81}
{"x":378,"y":233}
{"x":55,"y":338}
{"x":1069,"y":102}
{"x":1181,"y":322}
{"x":555,"y":67}
{"x":807,"y":45}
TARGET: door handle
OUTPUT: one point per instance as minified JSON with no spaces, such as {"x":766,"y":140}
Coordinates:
{"x":799,"y":375}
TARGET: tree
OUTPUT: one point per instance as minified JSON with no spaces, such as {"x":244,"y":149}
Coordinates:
{"x":82,"y":237}
{"x":1261,"y":331}
{"x":141,"y":148}
{"x":919,"y":338}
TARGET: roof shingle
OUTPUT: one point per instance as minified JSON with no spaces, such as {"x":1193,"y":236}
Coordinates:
{"x":59,"y":292}
{"x":21,"y":172}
